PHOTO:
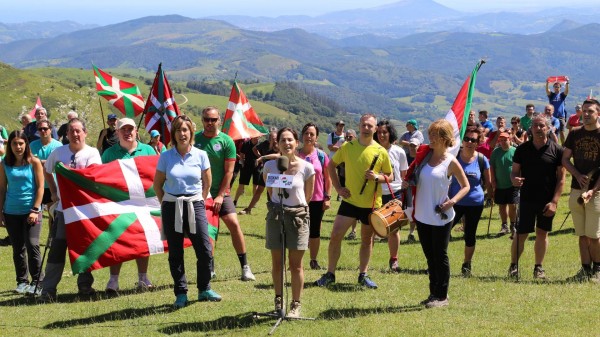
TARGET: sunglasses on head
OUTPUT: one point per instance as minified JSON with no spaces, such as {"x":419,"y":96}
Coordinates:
{"x":73,"y":164}
{"x":43,"y":129}
{"x":209,"y":120}
{"x":470,"y":140}
{"x":182,"y":117}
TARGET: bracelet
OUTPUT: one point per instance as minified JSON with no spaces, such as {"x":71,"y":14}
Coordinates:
{"x":34,"y":211}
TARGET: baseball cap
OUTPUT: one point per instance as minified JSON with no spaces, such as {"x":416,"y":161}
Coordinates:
{"x":111,"y":116}
{"x":578,"y":107}
{"x":340,"y":123}
{"x":125,"y":121}
{"x":154,"y":133}
{"x":504,"y":134}
{"x":414,"y":141}
{"x":413,"y":122}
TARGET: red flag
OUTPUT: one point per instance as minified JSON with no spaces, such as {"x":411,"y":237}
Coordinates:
{"x":38,"y":104}
{"x":241,"y":121}
{"x":112,"y":214}
{"x":124,"y":96}
{"x":161,"y":108}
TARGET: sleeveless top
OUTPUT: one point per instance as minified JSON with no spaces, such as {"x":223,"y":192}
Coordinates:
{"x":21,"y":189}
{"x":432,"y":190}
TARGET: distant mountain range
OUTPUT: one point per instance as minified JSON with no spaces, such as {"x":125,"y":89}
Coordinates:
{"x":10,"y":32}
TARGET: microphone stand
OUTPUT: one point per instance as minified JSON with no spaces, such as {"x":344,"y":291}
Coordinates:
{"x":281,"y":314}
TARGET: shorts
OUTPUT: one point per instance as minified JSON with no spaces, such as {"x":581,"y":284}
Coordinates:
{"x":47,"y":198}
{"x":261,"y":180}
{"x":358,"y":213}
{"x":385,"y":198}
{"x":506,"y":196}
{"x":316,"y":217}
{"x":586,"y":219}
{"x":249,"y":173}
{"x":530,"y":216}
{"x":296,"y":238}
{"x":562,"y":124}
{"x":227,"y":207}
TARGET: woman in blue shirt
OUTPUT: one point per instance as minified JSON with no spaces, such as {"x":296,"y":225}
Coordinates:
{"x":471,"y":206}
{"x":21,"y":191}
{"x":182,"y":183}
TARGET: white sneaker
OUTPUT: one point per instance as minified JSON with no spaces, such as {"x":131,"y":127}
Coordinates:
{"x":31,"y":289}
{"x":247,"y":274}
{"x":22,"y":288}
{"x":295,"y":307}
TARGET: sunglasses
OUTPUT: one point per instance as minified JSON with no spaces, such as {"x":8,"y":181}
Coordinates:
{"x":209,"y":120}
{"x":438,"y":210}
{"x":470,"y":140}
{"x":73,"y":164}
{"x":43,"y":129}
{"x":514,"y":122}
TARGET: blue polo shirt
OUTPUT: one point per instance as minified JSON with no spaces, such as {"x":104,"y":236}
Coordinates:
{"x":183,"y":173}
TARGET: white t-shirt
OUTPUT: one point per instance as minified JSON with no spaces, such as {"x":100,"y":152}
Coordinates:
{"x":432,"y":190}
{"x":399,"y":163}
{"x":81,"y":159}
{"x":295,"y":194}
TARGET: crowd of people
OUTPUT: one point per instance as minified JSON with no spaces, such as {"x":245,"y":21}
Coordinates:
{"x":520,"y":167}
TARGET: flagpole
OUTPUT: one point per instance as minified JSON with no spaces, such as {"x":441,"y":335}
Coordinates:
{"x":102,"y":113}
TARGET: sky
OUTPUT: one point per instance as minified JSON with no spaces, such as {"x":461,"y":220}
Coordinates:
{"x":113,"y":11}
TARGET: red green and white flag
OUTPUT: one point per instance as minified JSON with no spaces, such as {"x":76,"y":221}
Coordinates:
{"x":161,"y":108}
{"x":241,"y":121}
{"x":124,"y":96}
{"x":112,"y":214}
{"x":38,"y":104}
{"x":459,"y":112}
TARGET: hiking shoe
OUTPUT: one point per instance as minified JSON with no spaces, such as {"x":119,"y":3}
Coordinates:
{"x":314,"y":265}
{"x":247,"y":274}
{"x":86,"y":291}
{"x":209,"y":295}
{"x":32,"y":291}
{"x":47,"y":298}
{"x":180,"y":301}
{"x":295,"y":307}
{"x":144,"y":285}
{"x":539,"y":273}
{"x":245,"y":211}
{"x":367,"y":282}
{"x":513,"y":271}
{"x":22,"y":288}
{"x":278,"y":303}
{"x":595,"y":277}
{"x":427,"y":300}
{"x":460,"y":228}
{"x":582,"y":275}
{"x":465,"y":270}
{"x":437,"y":303}
{"x":411,"y":238}
{"x":394,"y":266}
{"x":504,"y":230}
{"x":351,"y":236}
{"x":325,"y":280}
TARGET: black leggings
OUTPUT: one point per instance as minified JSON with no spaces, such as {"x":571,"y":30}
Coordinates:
{"x":434,"y":241}
{"x":472,"y":215}
{"x":315,"y":209}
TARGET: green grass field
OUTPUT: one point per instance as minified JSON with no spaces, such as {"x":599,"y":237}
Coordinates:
{"x":487,"y":304}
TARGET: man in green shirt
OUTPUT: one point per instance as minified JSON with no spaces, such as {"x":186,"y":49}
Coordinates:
{"x":222,"y":156}
{"x":128,"y":147}
{"x":526,"y":120}
{"x":505,"y":194}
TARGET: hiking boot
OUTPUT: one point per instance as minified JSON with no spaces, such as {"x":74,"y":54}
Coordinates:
{"x":245,"y":211}
{"x":583,"y":275}
{"x":437,"y":303}
{"x":465,"y":270}
{"x":47,"y":297}
{"x":394,"y":266}
{"x":22,"y":288}
{"x":325,"y":280}
{"x":539,"y":273}
{"x":209,"y":295}
{"x":144,"y":285}
{"x":85,"y":290}
{"x":513,"y":271}
{"x":314,"y":265}
{"x":180,"y":301}
{"x":367,"y":282}
{"x":427,"y":300}
{"x":278,"y":303}
{"x":504,"y":230}
{"x":295,"y":307}
{"x":411,"y":238}
{"x":351,"y":236}
{"x":247,"y":274}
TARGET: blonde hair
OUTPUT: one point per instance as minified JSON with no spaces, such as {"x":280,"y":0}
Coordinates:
{"x":443,"y":129}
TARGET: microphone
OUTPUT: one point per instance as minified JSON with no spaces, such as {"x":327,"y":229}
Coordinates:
{"x":283,"y":163}
{"x":370,"y":168}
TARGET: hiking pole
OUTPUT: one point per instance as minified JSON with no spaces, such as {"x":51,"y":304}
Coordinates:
{"x":48,"y":246}
{"x":490,"y":219}
{"x":565,"y":220}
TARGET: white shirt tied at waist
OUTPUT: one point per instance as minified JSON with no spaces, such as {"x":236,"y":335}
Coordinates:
{"x":189,"y":201}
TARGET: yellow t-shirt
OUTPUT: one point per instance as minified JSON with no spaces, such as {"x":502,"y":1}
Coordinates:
{"x":358,"y":159}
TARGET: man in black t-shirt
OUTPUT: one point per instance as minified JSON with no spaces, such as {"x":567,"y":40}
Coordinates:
{"x":248,"y":170}
{"x":108,"y":137}
{"x":537,"y":170}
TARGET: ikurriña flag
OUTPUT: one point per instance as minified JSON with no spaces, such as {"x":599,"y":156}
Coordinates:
{"x":161,"y":108}
{"x":38,"y":104}
{"x":112,"y":214}
{"x":241,"y":121}
{"x":124,"y":96}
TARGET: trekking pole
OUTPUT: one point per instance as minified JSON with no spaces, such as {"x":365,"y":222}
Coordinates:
{"x":565,"y":220}
{"x":48,"y":246}
{"x":490,"y":218}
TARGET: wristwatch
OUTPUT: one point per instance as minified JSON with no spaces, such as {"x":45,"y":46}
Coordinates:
{"x":326,"y":196}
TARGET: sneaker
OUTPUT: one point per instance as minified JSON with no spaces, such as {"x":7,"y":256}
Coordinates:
{"x":143,"y":286}
{"x":209,"y":295}
{"x":539,"y":273}
{"x":32,"y":291}
{"x":112,"y":287}
{"x":325,"y":280}
{"x":595,"y":277}
{"x":278,"y":303}
{"x":427,"y":300}
{"x":504,"y":230}
{"x":86,"y":291}
{"x":460,"y":228}
{"x":295,"y":307}
{"x":465,"y":270}
{"x":351,"y":236}
{"x":394,"y":266}
{"x":47,"y":297}
{"x":513,"y":271}
{"x":411,"y":238}
{"x":180,"y":301}
{"x":314,"y":265}
{"x":367,"y":282}
{"x":437,"y":303}
{"x":247,"y":274}
{"x":582,"y":275}
{"x":22,"y":288}
{"x":235,"y":203}
{"x":245,"y":211}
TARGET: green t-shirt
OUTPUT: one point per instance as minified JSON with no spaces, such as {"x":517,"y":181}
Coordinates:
{"x":358,"y":159}
{"x":220,"y":149}
{"x":502,"y":162}
{"x":526,"y":122}
{"x":3,"y":133}
{"x":117,"y":152}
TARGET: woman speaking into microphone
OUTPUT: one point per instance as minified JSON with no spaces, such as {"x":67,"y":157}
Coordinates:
{"x":294,"y":201}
